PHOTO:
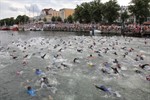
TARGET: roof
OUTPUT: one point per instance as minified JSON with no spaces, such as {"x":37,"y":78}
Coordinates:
{"x":46,"y":10}
{"x":66,"y":9}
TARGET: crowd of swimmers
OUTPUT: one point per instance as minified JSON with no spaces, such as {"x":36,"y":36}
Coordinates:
{"x":44,"y":82}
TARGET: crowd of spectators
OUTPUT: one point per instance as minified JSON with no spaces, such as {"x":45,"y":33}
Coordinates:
{"x":130,"y":28}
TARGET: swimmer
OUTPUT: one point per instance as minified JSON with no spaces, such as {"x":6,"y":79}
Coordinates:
{"x":118,"y":65}
{"x":25,"y":56}
{"x":31,"y":91}
{"x":148,"y":77}
{"x":75,"y":60}
{"x":66,"y":66}
{"x":60,"y":50}
{"x":79,"y":50}
{"x":14,"y":57}
{"x":115,"y":53}
{"x":91,"y":56}
{"x":137,"y":71}
{"x":24,"y":62}
{"x":108,"y":90}
{"x":106,"y":64}
{"x":45,"y":82}
{"x":48,"y":68}
{"x":115,"y":70}
{"x":136,"y":59}
{"x":99,"y":55}
{"x":43,"y":56}
{"x":38,"y":72}
{"x":116,"y":61}
{"x":103,"y":88}
{"x":143,"y":66}
{"x":105,"y":71}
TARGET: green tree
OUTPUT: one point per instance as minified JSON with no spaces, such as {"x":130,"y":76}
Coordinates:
{"x":45,"y":20}
{"x":18,"y":19}
{"x":77,"y":13}
{"x":53,"y":19}
{"x":59,"y":19}
{"x":82,"y":13}
{"x":70,"y":19}
{"x":85,"y":12}
{"x":96,"y":10}
{"x":65,"y":20}
{"x":25,"y":19}
{"x":140,"y":9}
{"x":124,"y":16}
{"x":21,"y":19}
{"x":11,"y":21}
{"x":7,"y":21}
{"x":111,"y":11}
{"x":88,"y":12}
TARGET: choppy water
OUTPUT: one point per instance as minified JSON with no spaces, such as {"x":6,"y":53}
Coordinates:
{"x":76,"y":81}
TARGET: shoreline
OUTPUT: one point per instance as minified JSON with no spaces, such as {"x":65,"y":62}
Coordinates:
{"x":103,"y":33}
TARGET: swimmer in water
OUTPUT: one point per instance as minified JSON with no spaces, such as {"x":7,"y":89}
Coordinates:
{"x":105,"y":71}
{"x":45,"y":82}
{"x":103,"y":88}
{"x":38,"y":72}
{"x":75,"y":60}
{"x":31,"y":91}
{"x":116,"y":61}
{"x":115,"y":70}
{"x":108,"y":90}
{"x":144,"y":65}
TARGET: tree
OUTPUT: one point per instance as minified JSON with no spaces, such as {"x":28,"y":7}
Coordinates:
{"x":85,"y":13}
{"x":88,"y":12}
{"x":77,"y":13}
{"x":59,"y":19}
{"x":53,"y":19}
{"x":18,"y":19}
{"x":124,"y":16}
{"x":111,"y":11}
{"x":21,"y":19}
{"x":25,"y":18}
{"x":11,"y":21}
{"x":45,"y":20}
{"x":65,"y":20}
{"x":70,"y":19}
{"x":82,"y":13}
{"x":140,"y":9}
{"x":96,"y":11}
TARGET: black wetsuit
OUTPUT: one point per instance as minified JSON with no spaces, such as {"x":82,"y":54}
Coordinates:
{"x":143,"y":66}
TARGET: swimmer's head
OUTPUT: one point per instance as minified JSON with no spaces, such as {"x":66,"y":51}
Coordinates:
{"x":29,"y":88}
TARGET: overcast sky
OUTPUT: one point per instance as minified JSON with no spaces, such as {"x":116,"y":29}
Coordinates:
{"x":13,"y":8}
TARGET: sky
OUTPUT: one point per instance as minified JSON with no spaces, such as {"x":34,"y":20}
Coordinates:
{"x":13,"y":8}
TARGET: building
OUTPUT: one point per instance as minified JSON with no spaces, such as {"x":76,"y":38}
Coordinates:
{"x":48,"y":14}
{"x":64,"y":13}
